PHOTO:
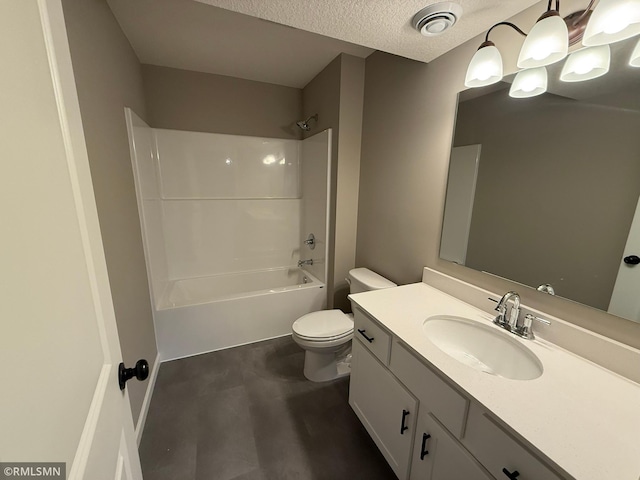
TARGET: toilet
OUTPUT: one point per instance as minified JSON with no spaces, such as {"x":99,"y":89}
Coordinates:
{"x":326,"y":335}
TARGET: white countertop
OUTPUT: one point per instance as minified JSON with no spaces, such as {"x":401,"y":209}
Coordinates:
{"x":583,"y":417}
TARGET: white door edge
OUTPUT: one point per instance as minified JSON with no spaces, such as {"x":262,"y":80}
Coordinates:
{"x":88,"y":432}
{"x":77,"y":162}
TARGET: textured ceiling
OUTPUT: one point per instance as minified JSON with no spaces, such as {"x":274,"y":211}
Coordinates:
{"x":379,"y":24}
{"x":193,"y":36}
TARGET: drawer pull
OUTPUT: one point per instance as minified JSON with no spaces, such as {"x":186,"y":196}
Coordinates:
{"x":510,"y":475}
{"x":361,"y":332}
{"x":403,"y":427}
{"x":423,"y":450}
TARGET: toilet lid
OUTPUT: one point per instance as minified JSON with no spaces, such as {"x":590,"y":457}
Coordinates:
{"x":323,"y":324}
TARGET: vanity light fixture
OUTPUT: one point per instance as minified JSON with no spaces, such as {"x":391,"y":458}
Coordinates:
{"x":549,"y":40}
{"x":585,"y":64}
{"x":635,"y":56}
{"x":529,"y":83}
{"x":612,"y":21}
{"x":485,"y":67}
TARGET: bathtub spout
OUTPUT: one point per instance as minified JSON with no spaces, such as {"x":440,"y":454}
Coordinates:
{"x":305,"y":262}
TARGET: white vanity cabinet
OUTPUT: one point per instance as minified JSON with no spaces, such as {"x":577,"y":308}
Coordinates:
{"x":438,"y":456}
{"x":499,"y":451}
{"x":384,"y":406}
{"x":427,"y":428}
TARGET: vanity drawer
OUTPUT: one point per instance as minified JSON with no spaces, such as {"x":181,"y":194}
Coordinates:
{"x":497,"y":450}
{"x":372,"y":335}
{"x":435,"y":395}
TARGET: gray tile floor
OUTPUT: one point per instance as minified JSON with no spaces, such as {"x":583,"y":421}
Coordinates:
{"x":248,"y":413}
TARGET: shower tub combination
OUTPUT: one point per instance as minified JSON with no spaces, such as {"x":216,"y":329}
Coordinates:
{"x":198,"y":315}
{"x":223,"y":222}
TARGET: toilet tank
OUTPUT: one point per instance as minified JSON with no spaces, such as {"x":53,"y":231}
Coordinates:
{"x":364,"y":280}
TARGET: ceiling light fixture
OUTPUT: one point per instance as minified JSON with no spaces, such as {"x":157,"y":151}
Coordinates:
{"x":549,"y":40}
{"x":437,"y":18}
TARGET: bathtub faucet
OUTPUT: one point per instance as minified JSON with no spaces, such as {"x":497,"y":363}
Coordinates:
{"x":305,"y":262}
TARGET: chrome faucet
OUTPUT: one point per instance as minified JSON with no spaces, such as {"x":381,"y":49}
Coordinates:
{"x":511,"y":324}
{"x":502,"y":307}
{"x":305,"y":262}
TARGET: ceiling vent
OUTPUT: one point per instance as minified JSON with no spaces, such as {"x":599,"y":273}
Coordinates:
{"x":437,"y":18}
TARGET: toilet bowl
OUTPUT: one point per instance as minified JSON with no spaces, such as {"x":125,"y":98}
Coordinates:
{"x":326,"y":335}
{"x":326,"y":338}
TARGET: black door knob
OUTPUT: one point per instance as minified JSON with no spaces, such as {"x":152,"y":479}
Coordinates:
{"x":632,"y":260}
{"x":140,"y":371}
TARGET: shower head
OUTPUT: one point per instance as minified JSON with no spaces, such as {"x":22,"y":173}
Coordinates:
{"x":305,"y":125}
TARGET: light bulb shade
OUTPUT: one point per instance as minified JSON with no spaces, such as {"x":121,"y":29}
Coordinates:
{"x":612,"y":21}
{"x":547,"y":43}
{"x":634,"y":61}
{"x":585,"y":64}
{"x":485,"y":67}
{"x":529,"y":83}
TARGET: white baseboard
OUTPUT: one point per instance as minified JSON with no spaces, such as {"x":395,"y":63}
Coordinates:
{"x":142,"y":419}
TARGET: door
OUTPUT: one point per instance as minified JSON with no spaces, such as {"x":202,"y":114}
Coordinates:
{"x":625,"y":301}
{"x":59,"y":349}
{"x":461,"y":191}
{"x":438,"y":456}
{"x":384,"y":406}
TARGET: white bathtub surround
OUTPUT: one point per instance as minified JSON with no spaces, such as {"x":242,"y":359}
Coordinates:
{"x":583,"y":418}
{"x":197,"y":165}
{"x":315,"y":181}
{"x":234,"y":318}
{"x":223,"y":219}
{"x":145,"y":174}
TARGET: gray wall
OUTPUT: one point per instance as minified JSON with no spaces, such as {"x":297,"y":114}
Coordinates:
{"x":400,"y":183}
{"x":407,"y":131}
{"x":556,"y":192}
{"x":336,"y":94}
{"x":204,"y":102}
{"x":108,"y":78}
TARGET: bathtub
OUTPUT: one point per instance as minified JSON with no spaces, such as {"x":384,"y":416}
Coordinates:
{"x":199,"y":315}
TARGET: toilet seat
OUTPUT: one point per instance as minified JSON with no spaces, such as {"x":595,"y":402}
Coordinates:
{"x":323,"y":326}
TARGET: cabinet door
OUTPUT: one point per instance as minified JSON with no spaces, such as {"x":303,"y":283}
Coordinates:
{"x":500,"y":452}
{"x":385,"y":408}
{"x":438,"y":456}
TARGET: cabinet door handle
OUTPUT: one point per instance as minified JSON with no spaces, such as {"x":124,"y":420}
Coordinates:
{"x":403,"y":427}
{"x":423,"y":449}
{"x":361,"y":332}
{"x":511,"y":475}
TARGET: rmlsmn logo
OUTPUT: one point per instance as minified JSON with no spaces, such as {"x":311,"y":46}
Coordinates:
{"x":23,"y":470}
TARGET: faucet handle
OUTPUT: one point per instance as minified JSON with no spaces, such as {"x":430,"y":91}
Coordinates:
{"x":529,"y":318}
{"x":527,"y":331}
{"x":501,"y":308}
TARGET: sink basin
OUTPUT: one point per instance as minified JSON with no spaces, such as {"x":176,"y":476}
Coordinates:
{"x":482,"y":347}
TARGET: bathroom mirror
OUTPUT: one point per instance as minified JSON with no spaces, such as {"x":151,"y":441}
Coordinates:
{"x":544,"y":190}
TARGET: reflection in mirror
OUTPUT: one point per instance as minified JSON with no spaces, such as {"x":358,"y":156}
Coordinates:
{"x":544,"y":190}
